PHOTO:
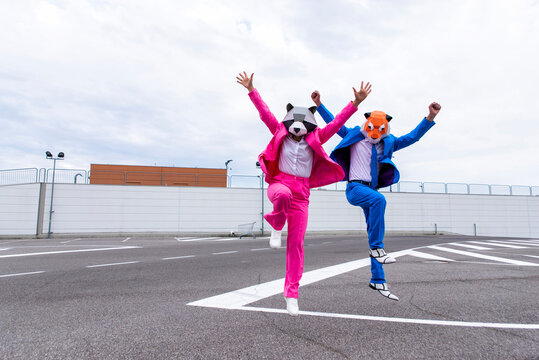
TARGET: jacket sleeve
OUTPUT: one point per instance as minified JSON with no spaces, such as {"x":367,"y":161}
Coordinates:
{"x":333,"y":126}
{"x":265,"y":114}
{"x":328,"y":117}
{"x":414,"y":135}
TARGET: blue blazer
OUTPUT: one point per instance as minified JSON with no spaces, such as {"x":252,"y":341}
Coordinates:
{"x":388,"y":171}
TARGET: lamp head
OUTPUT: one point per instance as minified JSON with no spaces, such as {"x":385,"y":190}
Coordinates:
{"x":49,"y":155}
{"x":60,"y":156}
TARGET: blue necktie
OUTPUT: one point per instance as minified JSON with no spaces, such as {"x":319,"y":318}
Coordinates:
{"x":374,"y":167}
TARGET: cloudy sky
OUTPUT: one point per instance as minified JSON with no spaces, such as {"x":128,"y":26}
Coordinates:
{"x":153,"y":82}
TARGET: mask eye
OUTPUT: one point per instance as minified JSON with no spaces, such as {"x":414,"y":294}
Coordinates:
{"x":382,"y":128}
{"x":370,"y":126}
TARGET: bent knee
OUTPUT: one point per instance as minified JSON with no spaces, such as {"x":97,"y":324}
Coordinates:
{"x":378,"y":199}
{"x":284,"y":195}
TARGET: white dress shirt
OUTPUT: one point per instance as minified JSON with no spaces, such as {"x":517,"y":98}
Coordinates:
{"x":296,"y":157}
{"x":360,"y":160}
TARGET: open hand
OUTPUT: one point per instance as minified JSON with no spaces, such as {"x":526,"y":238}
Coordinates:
{"x":434,"y":109}
{"x":363,"y":92}
{"x":316,"y":98}
{"x":245,"y":80}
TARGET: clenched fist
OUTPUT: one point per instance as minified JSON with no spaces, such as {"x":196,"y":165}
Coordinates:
{"x":434,"y":109}
{"x":316,"y":98}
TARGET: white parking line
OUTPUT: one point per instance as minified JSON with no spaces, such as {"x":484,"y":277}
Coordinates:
{"x":245,"y":296}
{"x":428,"y":256}
{"x":470,"y":246}
{"x":184,"y":238}
{"x":3,"y":249}
{"x":500,"y":245}
{"x":67,"y":251}
{"x":226,"y":239}
{"x":21,"y":274}
{"x":260,"y":249}
{"x":178,"y":257}
{"x":225,"y":252}
{"x":113,"y":264}
{"x":401,"y":320}
{"x":124,"y":240}
{"x":68,"y":241}
{"x":239,"y":299}
{"x":481,"y":256}
{"x":516,"y":242}
{"x":195,"y":239}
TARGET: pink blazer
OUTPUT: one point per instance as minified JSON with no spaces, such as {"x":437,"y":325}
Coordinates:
{"x":325,"y":171}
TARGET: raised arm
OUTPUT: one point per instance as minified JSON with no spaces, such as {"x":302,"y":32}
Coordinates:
{"x":334,"y":126}
{"x":420,"y":130}
{"x":265,"y":114}
{"x":326,"y":115}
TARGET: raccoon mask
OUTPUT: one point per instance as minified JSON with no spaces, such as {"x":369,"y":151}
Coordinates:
{"x":299,"y":120}
{"x":376,"y":127}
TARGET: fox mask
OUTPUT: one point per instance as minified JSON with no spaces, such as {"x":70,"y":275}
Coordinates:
{"x":376,"y":127}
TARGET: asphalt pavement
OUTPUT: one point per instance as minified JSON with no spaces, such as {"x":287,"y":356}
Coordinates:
{"x":221,"y":298}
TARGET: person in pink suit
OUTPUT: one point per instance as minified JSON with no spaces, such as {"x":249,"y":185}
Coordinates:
{"x":294,"y":162}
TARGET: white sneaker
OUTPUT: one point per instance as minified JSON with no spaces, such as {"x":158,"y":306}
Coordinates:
{"x":292,"y":306}
{"x":384,"y":290}
{"x":275,"y":239}
{"x":381,"y":256}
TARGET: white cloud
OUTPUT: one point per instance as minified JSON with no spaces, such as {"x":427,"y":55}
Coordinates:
{"x":154,"y":82}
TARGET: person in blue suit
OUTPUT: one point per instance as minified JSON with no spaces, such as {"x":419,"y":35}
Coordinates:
{"x":365,"y":154}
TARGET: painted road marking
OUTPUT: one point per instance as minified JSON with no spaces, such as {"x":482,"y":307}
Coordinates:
{"x":183,"y":238}
{"x":428,"y":256}
{"x":242,"y":297}
{"x":225,"y":252}
{"x":3,"y":249}
{"x":22,"y":274}
{"x":68,"y":251}
{"x":481,"y":256}
{"x":500,"y":245}
{"x":113,"y":264}
{"x":68,"y":241}
{"x":401,"y":320}
{"x":178,"y":257}
{"x":521,"y":243}
{"x":260,"y":249}
{"x":195,"y":239}
{"x":533,"y":256}
{"x":470,"y":246}
{"x":238,"y":299}
{"x":226,"y":239}
{"x":124,"y":240}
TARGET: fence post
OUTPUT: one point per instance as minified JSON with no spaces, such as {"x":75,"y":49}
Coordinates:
{"x":41,"y":208}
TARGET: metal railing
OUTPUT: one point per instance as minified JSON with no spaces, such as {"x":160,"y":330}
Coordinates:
{"x":79,"y":176}
{"x":19,"y":176}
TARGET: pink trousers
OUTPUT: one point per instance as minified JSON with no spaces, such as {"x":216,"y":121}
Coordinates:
{"x":290,"y":197}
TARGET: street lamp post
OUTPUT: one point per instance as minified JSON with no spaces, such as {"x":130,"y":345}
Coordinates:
{"x":226,"y":166}
{"x":59,"y":157}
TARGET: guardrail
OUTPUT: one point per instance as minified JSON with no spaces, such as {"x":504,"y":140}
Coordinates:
{"x":79,"y":176}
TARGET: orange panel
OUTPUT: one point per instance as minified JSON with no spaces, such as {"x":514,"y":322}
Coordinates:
{"x":157,"y":175}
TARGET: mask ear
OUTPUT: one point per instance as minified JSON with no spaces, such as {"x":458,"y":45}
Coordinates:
{"x":388,"y":118}
{"x":367,"y":115}
{"x":312,"y":109}
{"x":289,"y":107}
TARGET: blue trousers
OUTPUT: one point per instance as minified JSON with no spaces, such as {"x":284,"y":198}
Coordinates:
{"x":374,"y":206}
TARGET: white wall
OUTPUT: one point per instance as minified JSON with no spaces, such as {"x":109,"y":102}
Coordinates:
{"x":18,"y":209}
{"x":129,"y":209}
